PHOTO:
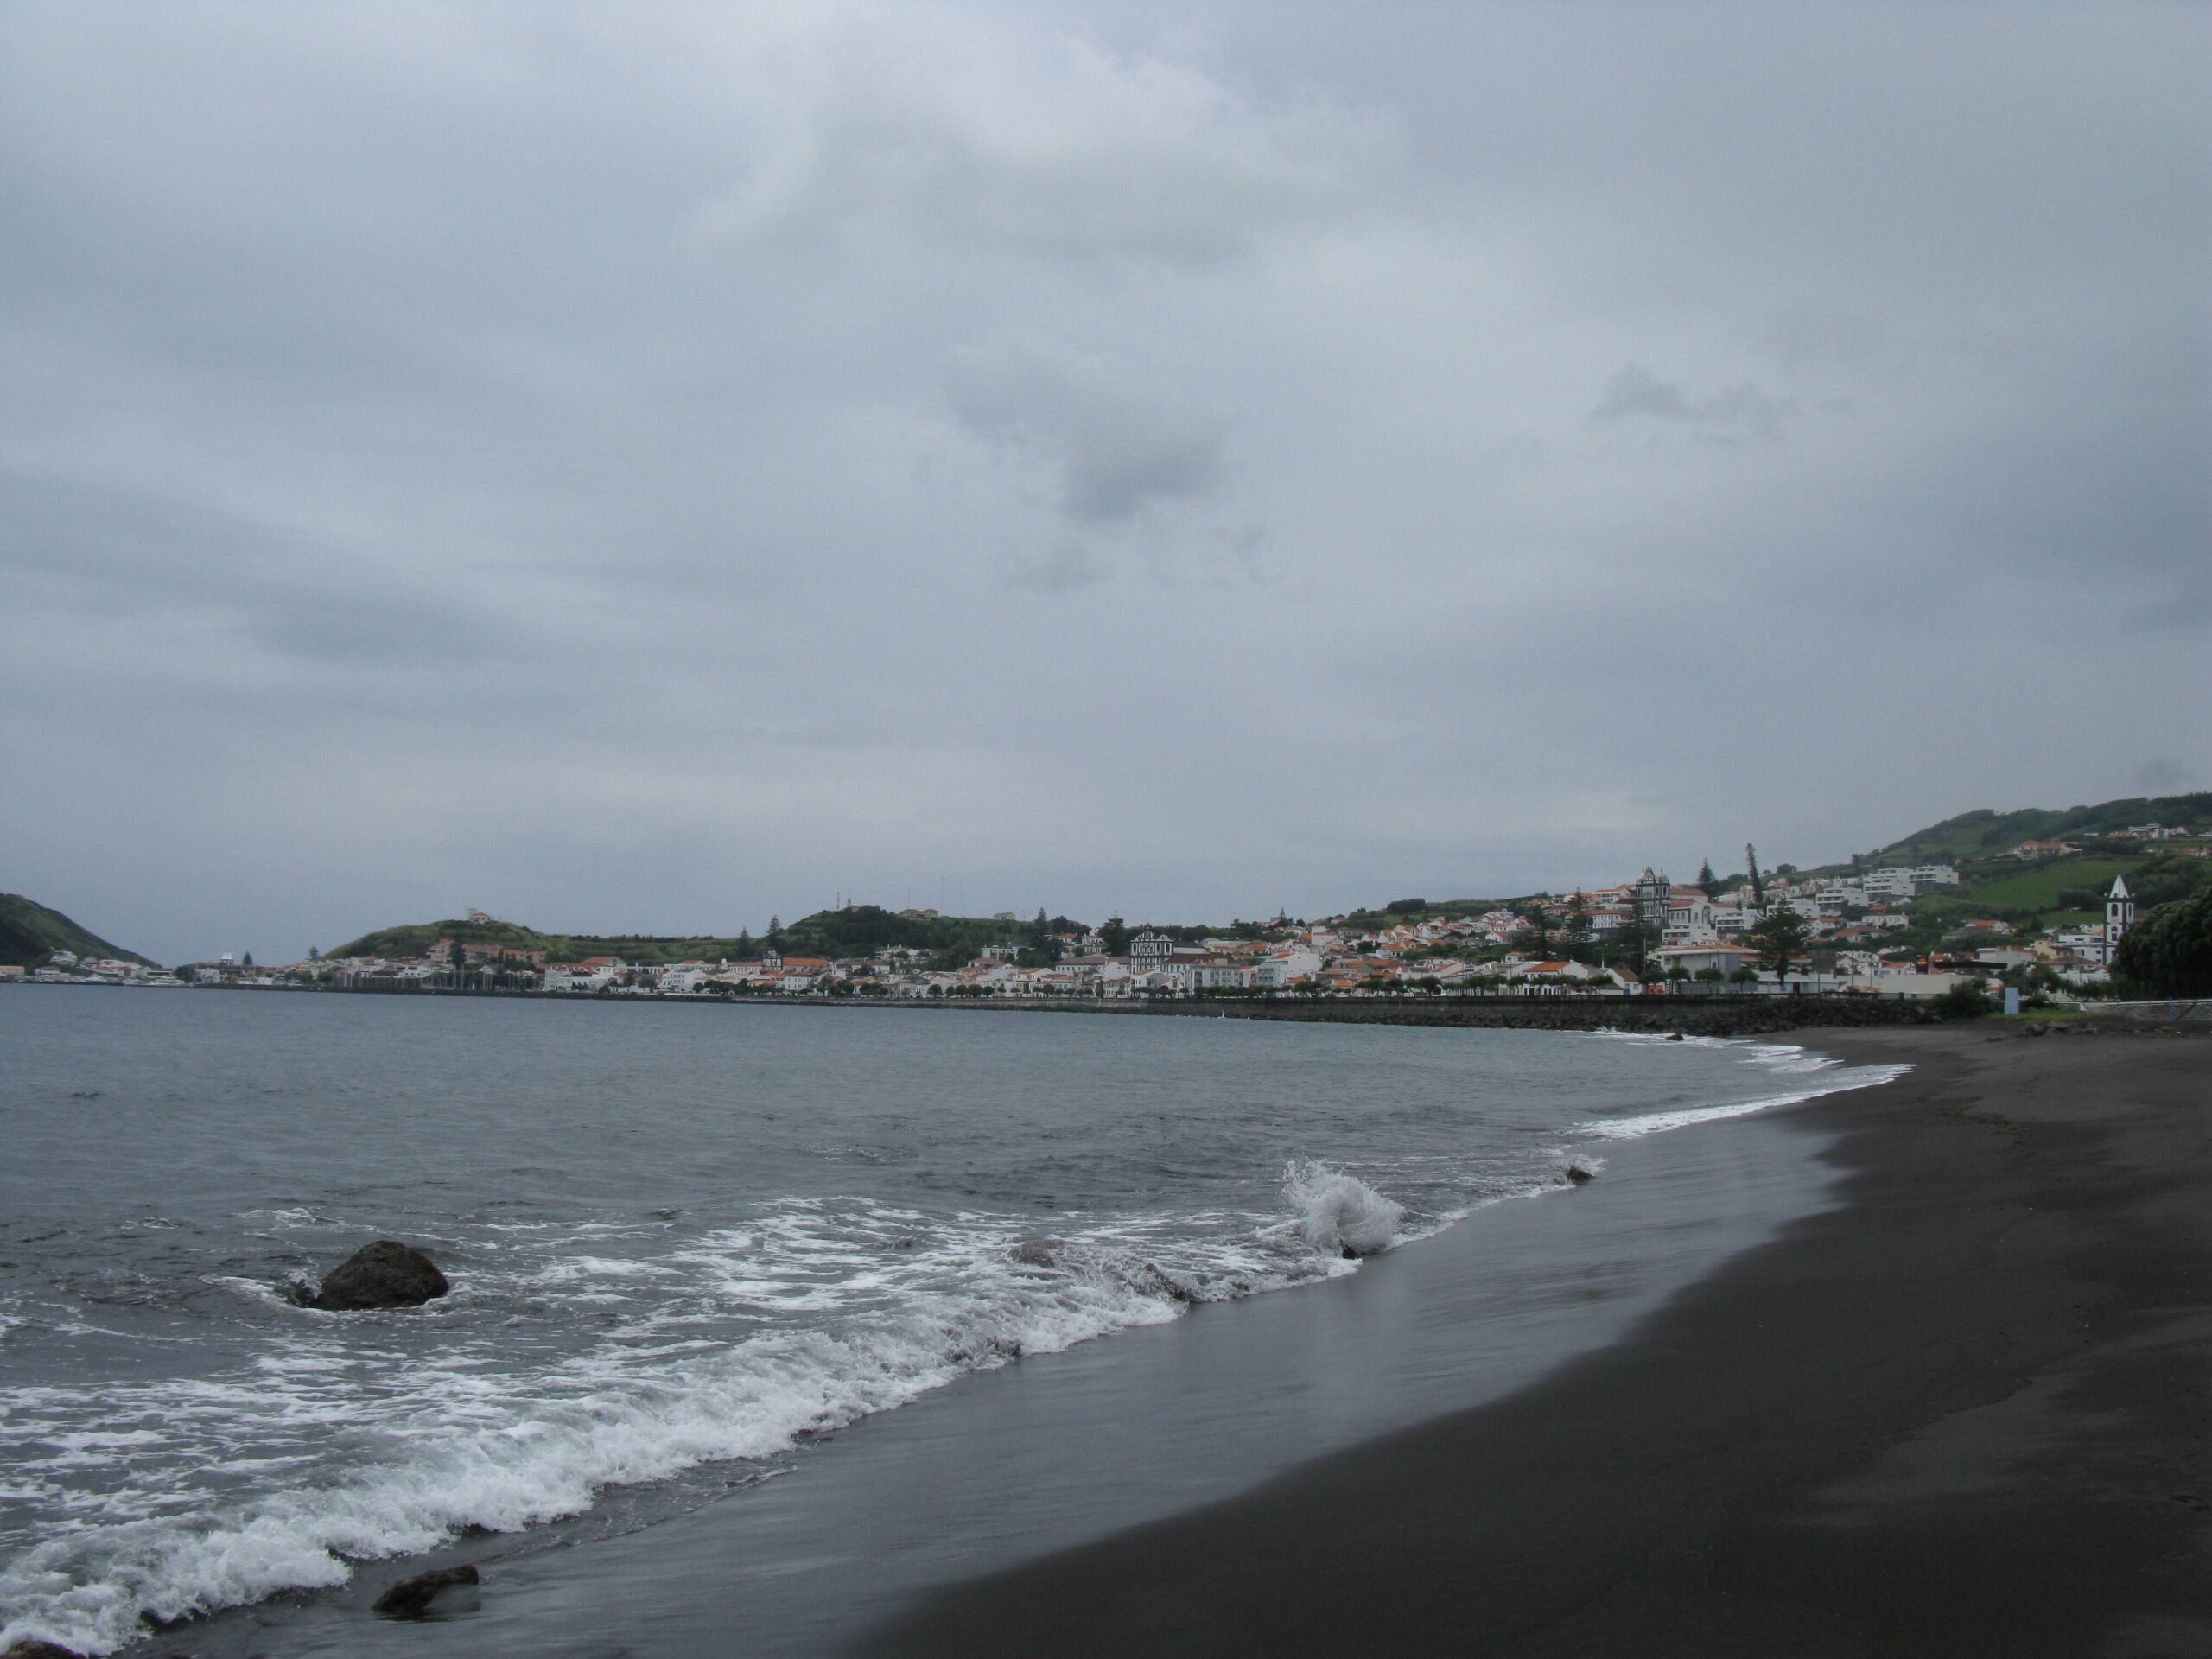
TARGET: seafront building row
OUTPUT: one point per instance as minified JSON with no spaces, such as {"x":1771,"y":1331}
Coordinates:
{"x":1649,"y":934}
{"x":1590,"y":941}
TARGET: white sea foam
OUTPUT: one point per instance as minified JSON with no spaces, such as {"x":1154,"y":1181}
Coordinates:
{"x":1340,"y":1213}
{"x":859,"y":1309}
{"x":1629,"y":1128}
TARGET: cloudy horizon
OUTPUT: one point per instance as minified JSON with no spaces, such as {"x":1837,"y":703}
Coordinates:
{"x":651,"y":470}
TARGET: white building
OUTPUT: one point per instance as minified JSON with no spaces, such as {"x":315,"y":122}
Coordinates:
{"x":2120,"y":916}
{"x":1286,"y":967}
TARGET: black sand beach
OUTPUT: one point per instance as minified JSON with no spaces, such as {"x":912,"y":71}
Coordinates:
{"x":1965,"y":1413}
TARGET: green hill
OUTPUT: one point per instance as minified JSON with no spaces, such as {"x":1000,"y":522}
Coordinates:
{"x":1982,"y":833}
{"x":857,"y":930}
{"x":30,"y":933}
{"x":413,"y":938}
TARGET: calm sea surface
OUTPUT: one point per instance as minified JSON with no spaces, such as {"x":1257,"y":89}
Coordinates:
{"x":685,"y":1243}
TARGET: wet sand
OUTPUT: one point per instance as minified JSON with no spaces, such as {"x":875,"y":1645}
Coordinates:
{"x":1965,"y":1413}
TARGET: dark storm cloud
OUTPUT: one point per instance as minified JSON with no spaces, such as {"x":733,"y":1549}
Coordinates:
{"x":629,"y":467}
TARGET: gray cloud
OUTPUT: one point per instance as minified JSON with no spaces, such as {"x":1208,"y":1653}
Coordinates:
{"x":260,"y":585}
{"x":1735,"y":411}
{"x":1084,"y":157}
{"x":1113,"y":451}
{"x":1062,"y":571}
{"x":660,"y":469}
{"x":2163,"y":775}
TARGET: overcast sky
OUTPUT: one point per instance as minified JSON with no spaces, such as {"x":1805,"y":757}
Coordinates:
{"x":651,"y":468}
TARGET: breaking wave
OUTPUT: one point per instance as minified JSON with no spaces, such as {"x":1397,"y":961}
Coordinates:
{"x":858,"y":1308}
{"x":1340,"y":1213}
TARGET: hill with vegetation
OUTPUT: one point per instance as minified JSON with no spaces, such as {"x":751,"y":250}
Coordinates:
{"x":854,"y":931}
{"x":412,"y":939}
{"x":2039,"y":890}
{"x":30,"y":933}
{"x":1983,"y":833}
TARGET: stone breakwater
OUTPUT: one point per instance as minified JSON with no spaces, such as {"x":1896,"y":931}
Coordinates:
{"x":1692,"y":1016}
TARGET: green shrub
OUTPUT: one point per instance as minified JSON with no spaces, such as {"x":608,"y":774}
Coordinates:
{"x":2168,"y":951}
{"x":1963,"y":1001}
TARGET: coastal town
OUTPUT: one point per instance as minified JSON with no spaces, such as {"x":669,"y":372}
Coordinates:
{"x":1860,"y":931}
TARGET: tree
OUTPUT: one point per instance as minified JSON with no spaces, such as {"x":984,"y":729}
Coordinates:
{"x":2168,"y":951}
{"x":1114,"y":933}
{"x":1576,"y":939}
{"x":1779,"y":938}
{"x":248,"y":959}
{"x":1631,"y":945}
{"x":1707,"y":880}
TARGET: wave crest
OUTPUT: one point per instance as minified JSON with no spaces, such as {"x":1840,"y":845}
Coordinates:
{"x":1339,"y":1212}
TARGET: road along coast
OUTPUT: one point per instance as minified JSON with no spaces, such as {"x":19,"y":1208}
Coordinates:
{"x":1964,"y":1414}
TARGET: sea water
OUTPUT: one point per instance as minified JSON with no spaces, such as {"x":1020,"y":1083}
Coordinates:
{"x":685,"y":1243}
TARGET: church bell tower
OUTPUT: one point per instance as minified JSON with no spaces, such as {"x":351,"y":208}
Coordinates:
{"x":2120,"y":915}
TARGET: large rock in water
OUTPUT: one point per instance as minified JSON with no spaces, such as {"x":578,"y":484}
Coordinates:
{"x":387,"y":1273}
{"x":411,"y":1598}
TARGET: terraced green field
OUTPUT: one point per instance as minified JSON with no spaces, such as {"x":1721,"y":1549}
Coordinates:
{"x":2039,"y":889}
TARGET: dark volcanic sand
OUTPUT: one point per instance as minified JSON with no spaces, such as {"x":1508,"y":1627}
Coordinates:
{"x":1965,"y":1415}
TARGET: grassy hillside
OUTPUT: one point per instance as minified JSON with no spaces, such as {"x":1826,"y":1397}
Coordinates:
{"x":30,"y":933}
{"x":1979,"y":834}
{"x":2062,"y":884}
{"x":2052,"y":891}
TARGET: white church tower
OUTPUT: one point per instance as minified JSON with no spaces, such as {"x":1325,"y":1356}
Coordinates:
{"x":2120,"y":914}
